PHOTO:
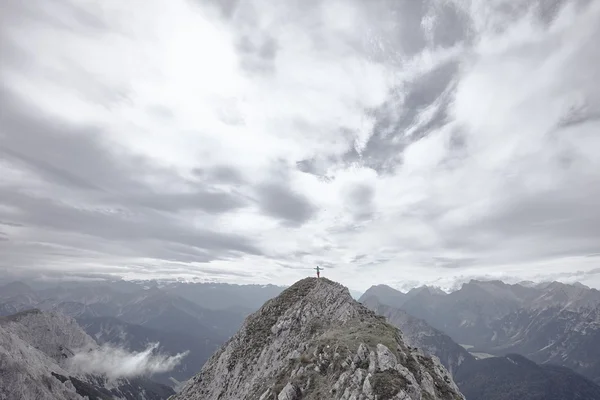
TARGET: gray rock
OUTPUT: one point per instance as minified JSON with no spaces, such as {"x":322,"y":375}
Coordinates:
{"x":346,"y":352}
{"x":385,"y":358}
{"x":35,"y":352}
{"x":289,"y":392}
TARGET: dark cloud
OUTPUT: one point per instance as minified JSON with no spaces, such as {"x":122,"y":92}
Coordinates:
{"x":63,"y":154}
{"x":280,"y":201}
{"x":226,"y":8}
{"x":76,"y":158}
{"x":393,"y":24}
{"x":454,"y":262}
{"x":547,"y":10}
{"x":64,"y":15}
{"x":358,"y":258}
{"x":200,"y":199}
{"x":394,"y":118}
{"x":360,"y":199}
{"x":227,"y":174}
{"x":548,"y":224}
{"x":257,"y":54}
{"x":90,"y":191}
{"x":118,"y":224}
{"x":9,"y":223}
{"x":220,"y":174}
{"x":451,"y":25}
{"x":308,"y":166}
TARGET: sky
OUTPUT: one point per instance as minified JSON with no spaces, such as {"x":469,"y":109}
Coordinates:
{"x":402,"y":142}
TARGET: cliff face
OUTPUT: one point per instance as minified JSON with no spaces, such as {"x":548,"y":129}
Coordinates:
{"x":315,"y":342}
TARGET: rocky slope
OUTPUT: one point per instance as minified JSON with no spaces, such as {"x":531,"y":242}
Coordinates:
{"x":35,"y":353}
{"x":418,"y":333}
{"x":315,"y":342}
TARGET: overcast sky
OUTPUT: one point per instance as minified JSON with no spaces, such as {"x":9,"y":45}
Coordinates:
{"x":400,"y":142}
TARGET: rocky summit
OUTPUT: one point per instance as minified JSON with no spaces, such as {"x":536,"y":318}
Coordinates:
{"x":314,"y":341}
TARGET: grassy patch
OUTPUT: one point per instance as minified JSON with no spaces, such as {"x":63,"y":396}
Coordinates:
{"x":355,"y":332}
{"x":387,"y":384}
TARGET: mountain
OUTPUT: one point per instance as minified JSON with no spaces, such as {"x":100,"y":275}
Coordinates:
{"x":15,"y":297}
{"x":553,"y":335}
{"x":213,"y":296}
{"x":314,"y":341}
{"x":36,"y":350}
{"x":551,"y":322}
{"x":133,"y":314}
{"x":157,"y":309}
{"x":418,"y":333}
{"x":514,"y":377}
{"x":571,"y":297}
{"x":498,"y":378}
{"x":137,"y":338}
{"x":385,"y":295}
{"x":224,"y":296}
{"x":466,"y":314}
{"x":15,"y":289}
{"x":152,"y":308}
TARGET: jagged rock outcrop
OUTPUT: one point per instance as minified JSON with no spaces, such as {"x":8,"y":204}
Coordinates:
{"x":315,"y":342}
{"x":35,"y":350}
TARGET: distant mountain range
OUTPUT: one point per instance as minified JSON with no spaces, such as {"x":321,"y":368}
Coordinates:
{"x":180,"y":316}
{"x":512,"y":377}
{"x":548,"y":323}
{"x":542,"y":339}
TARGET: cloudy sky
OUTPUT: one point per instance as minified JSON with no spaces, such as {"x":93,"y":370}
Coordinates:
{"x":400,"y":142}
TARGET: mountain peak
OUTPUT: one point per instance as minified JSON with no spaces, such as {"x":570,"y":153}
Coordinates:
{"x":18,"y":316}
{"x":386,"y":294}
{"x":14,"y":289}
{"x":314,"y":341}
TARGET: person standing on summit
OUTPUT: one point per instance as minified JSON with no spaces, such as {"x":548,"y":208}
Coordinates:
{"x":318,"y":271}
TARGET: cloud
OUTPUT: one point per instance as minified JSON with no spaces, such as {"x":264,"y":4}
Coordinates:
{"x":282,"y":202}
{"x":115,"y":363}
{"x":422,"y":139}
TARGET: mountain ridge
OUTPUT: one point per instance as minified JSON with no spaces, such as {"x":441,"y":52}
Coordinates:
{"x":314,"y":341}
